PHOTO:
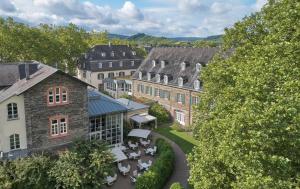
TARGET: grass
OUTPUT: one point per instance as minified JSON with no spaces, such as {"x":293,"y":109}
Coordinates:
{"x":185,"y":141}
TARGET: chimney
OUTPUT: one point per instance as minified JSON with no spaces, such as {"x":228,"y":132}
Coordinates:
{"x":27,"y":71}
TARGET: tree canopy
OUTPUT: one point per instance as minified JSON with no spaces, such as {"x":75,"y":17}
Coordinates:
{"x":248,"y":120}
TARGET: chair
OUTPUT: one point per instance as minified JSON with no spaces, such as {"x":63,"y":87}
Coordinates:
{"x":140,"y":167}
{"x":153,"y":151}
{"x":135,"y":173}
{"x":139,"y":153}
{"x":110,"y":180}
{"x":133,"y":180}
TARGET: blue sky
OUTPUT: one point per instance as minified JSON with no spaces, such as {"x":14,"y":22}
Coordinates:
{"x":170,"y":18}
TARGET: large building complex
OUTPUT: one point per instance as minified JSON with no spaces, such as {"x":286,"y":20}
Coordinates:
{"x":170,"y":76}
{"x":107,"y":61}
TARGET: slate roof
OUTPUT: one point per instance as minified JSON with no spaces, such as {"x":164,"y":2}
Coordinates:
{"x":131,"y":105}
{"x":174,"y":56}
{"x":101,"y":104}
{"x":90,"y":60}
{"x":38,"y":73}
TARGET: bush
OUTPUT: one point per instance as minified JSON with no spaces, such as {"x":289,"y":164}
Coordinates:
{"x":159,"y":173}
{"x":176,"y":185}
{"x":176,"y":126}
{"x":159,"y":112}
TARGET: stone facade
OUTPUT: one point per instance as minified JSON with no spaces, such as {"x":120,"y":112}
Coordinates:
{"x":37,"y":112}
{"x":170,"y":103}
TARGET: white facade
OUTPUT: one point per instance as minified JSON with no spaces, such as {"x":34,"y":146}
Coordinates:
{"x":92,"y":77}
{"x":9,"y":127}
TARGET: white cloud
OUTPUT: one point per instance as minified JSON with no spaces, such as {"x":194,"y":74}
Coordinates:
{"x":192,"y":5}
{"x":220,"y":8}
{"x":130,"y":11}
{"x":7,"y":6}
{"x":259,"y":4}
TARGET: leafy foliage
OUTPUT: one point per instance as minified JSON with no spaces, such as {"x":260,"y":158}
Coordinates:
{"x":158,"y":174}
{"x":176,"y":185}
{"x":248,"y":121}
{"x":159,"y":112}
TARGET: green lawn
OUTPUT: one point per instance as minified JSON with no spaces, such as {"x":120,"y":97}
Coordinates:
{"x":182,"y":139}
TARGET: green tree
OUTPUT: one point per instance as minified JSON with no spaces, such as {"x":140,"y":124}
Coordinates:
{"x":248,"y":121}
{"x":84,"y":166}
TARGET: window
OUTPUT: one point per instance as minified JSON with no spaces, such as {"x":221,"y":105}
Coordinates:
{"x":121,"y":64}
{"x":180,"y":117}
{"x":148,"y":76}
{"x":103,"y":54}
{"x":121,"y":74}
{"x":195,"y":100}
{"x":148,"y":90}
{"x":14,"y":141}
{"x":156,"y":92}
{"x":124,"y":53}
{"x":153,"y":63}
{"x":100,"y":76}
{"x":12,"y":111}
{"x":133,"y":53}
{"x":64,"y":95}
{"x":165,"y":79}
{"x":111,"y":75}
{"x":180,"y":82}
{"x":162,"y":63}
{"x":142,"y":89}
{"x":197,"y":85}
{"x":180,"y":98}
{"x":132,"y":72}
{"x":182,"y":65}
{"x":112,"y":54}
{"x":57,"y":95}
{"x":110,"y":64}
{"x":99,"y":65}
{"x":132,"y":63}
{"x":140,"y":75}
{"x":157,"y":78}
{"x":58,"y":126}
{"x":198,"y":67}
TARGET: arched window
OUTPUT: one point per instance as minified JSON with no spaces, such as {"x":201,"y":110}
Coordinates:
{"x":157,"y":78}
{"x":166,"y":79}
{"x":121,"y":74}
{"x":180,"y":82}
{"x":198,"y":67}
{"x":100,"y":76}
{"x":111,"y":75}
{"x":12,"y":111}
{"x":14,"y":141}
{"x":140,"y":75}
{"x":196,"y":84}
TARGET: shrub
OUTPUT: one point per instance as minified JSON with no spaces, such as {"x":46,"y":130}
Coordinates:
{"x":159,"y":112}
{"x":176,"y":185}
{"x":176,"y":126}
{"x":159,"y":173}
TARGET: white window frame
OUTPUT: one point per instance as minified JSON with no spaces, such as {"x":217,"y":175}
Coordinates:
{"x":140,"y":75}
{"x":132,"y":62}
{"x":12,"y":111}
{"x":124,"y":53}
{"x":166,"y":79}
{"x":157,"y":76}
{"x":99,"y":65}
{"x":121,"y":64}
{"x":180,"y":81}
{"x":180,"y":117}
{"x":57,"y":94}
{"x":103,"y":54}
{"x":153,"y":63}
{"x":198,"y":67}
{"x":51,"y":95}
{"x":64,"y":93}
{"x":197,"y":84}
{"x":183,"y":66}
{"x":63,"y":126}
{"x":110,"y":64}
{"x":148,"y":76}
{"x":54,"y":127}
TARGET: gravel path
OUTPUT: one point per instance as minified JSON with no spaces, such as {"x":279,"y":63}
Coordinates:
{"x":181,"y":170}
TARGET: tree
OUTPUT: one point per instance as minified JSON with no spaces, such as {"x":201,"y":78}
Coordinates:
{"x":84,"y":166}
{"x":248,"y":121}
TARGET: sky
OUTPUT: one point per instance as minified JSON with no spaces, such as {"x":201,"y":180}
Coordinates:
{"x":169,"y":18}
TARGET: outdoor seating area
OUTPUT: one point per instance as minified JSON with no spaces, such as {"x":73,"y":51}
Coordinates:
{"x":132,"y":160}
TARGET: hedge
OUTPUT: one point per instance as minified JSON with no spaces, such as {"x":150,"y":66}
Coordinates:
{"x":157,"y":176}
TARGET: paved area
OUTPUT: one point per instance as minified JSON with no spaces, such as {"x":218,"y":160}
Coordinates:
{"x":180,"y":173}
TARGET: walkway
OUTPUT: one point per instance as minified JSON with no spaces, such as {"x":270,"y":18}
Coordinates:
{"x":181,"y":170}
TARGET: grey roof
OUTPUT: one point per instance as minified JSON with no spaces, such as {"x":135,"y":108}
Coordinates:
{"x":100,"y":104}
{"x":174,"y":56}
{"x":90,"y":60}
{"x":131,"y":105}
{"x":21,"y":85}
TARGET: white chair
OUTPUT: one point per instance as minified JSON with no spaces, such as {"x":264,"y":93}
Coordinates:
{"x":139,"y":154}
{"x":154,"y":150}
{"x":133,"y":180}
{"x":135,"y":173}
{"x":126,"y":170}
{"x":110,"y":180}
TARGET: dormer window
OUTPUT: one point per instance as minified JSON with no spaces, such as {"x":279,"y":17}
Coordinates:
{"x":103,"y":54}
{"x":112,"y":54}
{"x":132,"y":63}
{"x":110,"y":64}
{"x":157,"y":78}
{"x":197,"y":84}
{"x":153,"y":63}
{"x":183,"y":66}
{"x":133,"y":53}
{"x":148,"y":76}
{"x":140,"y":75}
{"x":124,"y":53}
{"x":198,"y":67}
{"x":166,"y":79}
{"x":162,"y":63}
{"x":121,"y":63}
{"x":99,"y":65}
{"x":180,"y":81}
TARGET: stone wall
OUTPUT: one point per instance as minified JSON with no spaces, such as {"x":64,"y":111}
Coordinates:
{"x":37,"y":112}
